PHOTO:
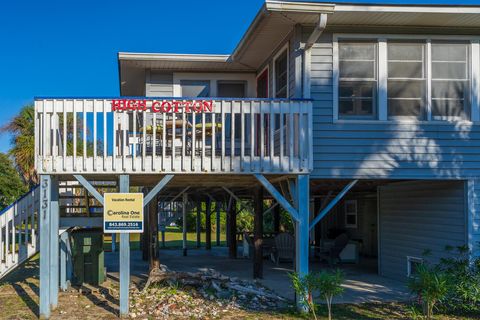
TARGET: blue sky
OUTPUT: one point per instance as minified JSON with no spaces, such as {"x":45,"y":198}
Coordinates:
{"x":68,"y":48}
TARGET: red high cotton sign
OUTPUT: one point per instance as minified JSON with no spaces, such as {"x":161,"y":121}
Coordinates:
{"x":163,"y":106}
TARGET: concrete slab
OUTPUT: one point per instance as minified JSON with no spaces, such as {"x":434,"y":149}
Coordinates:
{"x":362,"y":284}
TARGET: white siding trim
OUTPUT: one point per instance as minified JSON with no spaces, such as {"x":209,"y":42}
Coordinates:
{"x":428,"y":65}
{"x":382,"y":76}
{"x":335,"y":78}
{"x":475,"y":70}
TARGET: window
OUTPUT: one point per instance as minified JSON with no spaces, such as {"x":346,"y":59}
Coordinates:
{"x":412,"y":264}
{"x":357,"y":80}
{"x":281,"y":75}
{"x":351,"y":213}
{"x":401,"y":77}
{"x":195,"y":88}
{"x":450,"y":80}
{"x":406,"y":83}
{"x":231,"y":89}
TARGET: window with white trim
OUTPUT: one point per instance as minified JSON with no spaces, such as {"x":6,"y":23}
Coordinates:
{"x":450,"y":80}
{"x":398,"y":77}
{"x":357,"y":80}
{"x":351,"y":214}
{"x":412,"y":265}
{"x":406,"y":80}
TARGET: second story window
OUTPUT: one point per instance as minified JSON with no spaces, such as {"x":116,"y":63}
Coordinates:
{"x":450,"y":81}
{"x":281,"y":75}
{"x":406,"y":78}
{"x":406,"y":88}
{"x":357,"y":80}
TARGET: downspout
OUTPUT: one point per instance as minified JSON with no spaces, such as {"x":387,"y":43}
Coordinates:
{"x":307,"y":54}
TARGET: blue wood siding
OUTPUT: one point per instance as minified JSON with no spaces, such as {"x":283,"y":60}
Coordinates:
{"x":416,"y":216}
{"x":474,"y":216}
{"x":380,"y":150}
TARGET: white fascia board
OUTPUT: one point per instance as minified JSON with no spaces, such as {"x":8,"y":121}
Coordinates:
{"x":173,"y":57}
{"x":406,"y":9}
{"x":303,"y":7}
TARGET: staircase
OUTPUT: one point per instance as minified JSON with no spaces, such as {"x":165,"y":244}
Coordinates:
{"x":18,"y":231}
{"x":19,"y":227}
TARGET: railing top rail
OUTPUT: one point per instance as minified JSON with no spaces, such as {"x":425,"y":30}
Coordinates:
{"x":18,"y":200}
{"x":172,"y":98}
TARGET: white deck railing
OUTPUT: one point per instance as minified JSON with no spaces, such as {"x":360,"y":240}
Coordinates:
{"x":18,"y":231}
{"x":173,"y":136}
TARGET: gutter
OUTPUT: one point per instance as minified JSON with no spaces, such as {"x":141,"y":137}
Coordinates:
{"x":317,"y":32}
{"x":271,"y":6}
{"x":307,"y":53}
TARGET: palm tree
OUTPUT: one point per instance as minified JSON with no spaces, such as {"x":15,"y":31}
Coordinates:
{"x":22,"y":129}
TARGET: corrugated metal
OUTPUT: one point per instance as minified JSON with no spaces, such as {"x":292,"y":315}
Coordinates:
{"x":418,"y":216}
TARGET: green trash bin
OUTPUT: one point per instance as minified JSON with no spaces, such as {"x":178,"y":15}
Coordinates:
{"x":88,"y":256}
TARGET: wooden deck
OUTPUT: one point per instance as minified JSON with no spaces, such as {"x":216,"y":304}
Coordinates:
{"x":145,"y":136}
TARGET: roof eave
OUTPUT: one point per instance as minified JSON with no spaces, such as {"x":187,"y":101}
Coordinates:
{"x":279,"y":6}
{"x":135,"y":56}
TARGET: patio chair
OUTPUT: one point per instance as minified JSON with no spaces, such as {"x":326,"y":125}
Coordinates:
{"x":333,"y":254}
{"x":284,"y":248}
{"x":249,"y":246}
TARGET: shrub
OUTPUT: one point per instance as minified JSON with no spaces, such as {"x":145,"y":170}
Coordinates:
{"x":326,"y":283}
{"x":430,"y":284}
{"x":464,"y":278}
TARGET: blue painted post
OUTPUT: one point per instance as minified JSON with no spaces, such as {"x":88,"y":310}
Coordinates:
{"x":54,"y":244}
{"x":65,"y":261}
{"x":217,"y":209}
{"x":302,"y":230}
{"x":44,"y":224}
{"x":124,"y":257}
{"x":184,"y":227}
{"x":114,"y":242}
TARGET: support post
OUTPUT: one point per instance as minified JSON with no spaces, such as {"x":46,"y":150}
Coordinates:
{"x":184,"y":228}
{"x":145,"y":236}
{"x":124,"y":185}
{"x":199,"y":220}
{"x":44,"y":224}
{"x":302,"y":229}
{"x":114,"y":242}
{"x":276,"y":219}
{"x":258,"y":233}
{"x":232,"y":229}
{"x":65,"y":261}
{"x":54,"y":244}
{"x":208,"y":224}
{"x":153,"y":234}
{"x":318,"y":227}
{"x":217,"y":229}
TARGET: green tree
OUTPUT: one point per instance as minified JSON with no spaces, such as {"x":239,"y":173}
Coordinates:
{"x":11,"y":185}
{"x":22,"y":129}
